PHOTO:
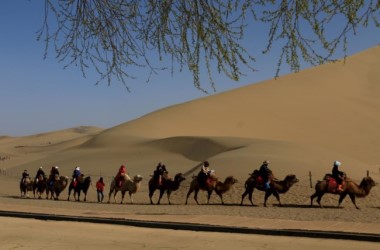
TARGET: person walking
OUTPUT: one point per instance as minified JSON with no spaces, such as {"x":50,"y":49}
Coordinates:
{"x":99,"y":189}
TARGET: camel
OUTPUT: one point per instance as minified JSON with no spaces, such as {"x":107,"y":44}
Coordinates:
{"x":39,"y":186}
{"x":167,"y":185}
{"x":83,"y":184}
{"x":350,"y":188}
{"x":276,"y":187}
{"x":58,"y":186}
{"x":219,"y":187}
{"x":26,"y":185}
{"x":132,"y":186}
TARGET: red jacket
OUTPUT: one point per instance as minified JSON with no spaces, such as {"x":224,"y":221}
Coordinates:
{"x":122,"y":170}
{"x":100,"y":186}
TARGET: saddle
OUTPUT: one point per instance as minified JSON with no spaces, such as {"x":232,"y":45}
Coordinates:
{"x":26,"y":180}
{"x":259,"y":180}
{"x":332,"y":184}
{"x":209,"y":181}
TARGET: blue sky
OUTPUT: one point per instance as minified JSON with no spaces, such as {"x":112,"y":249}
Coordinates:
{"x":38,"y":95}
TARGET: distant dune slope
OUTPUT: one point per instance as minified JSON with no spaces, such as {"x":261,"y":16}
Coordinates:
{"x":334,"y":106}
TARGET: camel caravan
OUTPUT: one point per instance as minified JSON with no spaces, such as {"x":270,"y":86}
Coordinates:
{"x":261,"y":179}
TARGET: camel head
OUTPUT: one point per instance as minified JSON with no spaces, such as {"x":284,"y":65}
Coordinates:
{"x":230,"y":180}
{"x":138,"y":178}
{"x":64,"y":180}
{"x":367,"y":182}
{"x":291,"y":179}
{"x":179,"y":177}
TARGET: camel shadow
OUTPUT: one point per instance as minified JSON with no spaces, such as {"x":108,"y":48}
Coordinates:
{"x":16,"y":197}
{"x":223,"y":205}
{"x":329,"y":207}
{"x":13,"y":197}
{"x":247,"y":205}
{"x":293,"y":205}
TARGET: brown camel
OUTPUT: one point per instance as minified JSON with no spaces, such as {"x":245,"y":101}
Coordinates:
{"x":167,"y":185}
{"x":58,"y":186}
{"x":132,"y":186}
{"x":39,"y":186}
{"x":83,"y":184}
{"x":276,"y":187}
{"x":350,"y":188}
{"x":219,"y":187}
{"x":26,"y":185}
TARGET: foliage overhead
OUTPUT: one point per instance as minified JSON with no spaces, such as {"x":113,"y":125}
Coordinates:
{"x":114,"y":36}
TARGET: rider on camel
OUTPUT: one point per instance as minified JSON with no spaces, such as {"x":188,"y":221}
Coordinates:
{"x":160,"y":173}
{"x":53,"y":172}
{"x":265,"y":172}
{"x":204,"y":174}
{"x":76,"y":175}
{"x":25,"y":175}
{"x":39,"y":173}
{"x":119,"y":178}
{"x":338,"y":175}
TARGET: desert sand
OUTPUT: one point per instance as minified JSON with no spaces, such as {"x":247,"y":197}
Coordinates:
{"x":300,"y":122}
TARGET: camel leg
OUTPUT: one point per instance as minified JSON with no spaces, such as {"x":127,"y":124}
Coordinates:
{"x":131,"y":196}
{"x":319,"y":199}
{"x":48,"y":191}
{"x":161,"y":194}
{"x":352,"y":196}
{"x":221,"y":198}
{"x":209,"y":196}
{"x":316,"y":194}
{"x":114,"y":195}
{"x":68,"y":196}
{"x":109,"y":197}
{"x":267,"y":194}
{"x":243,"y":196}
{"x":151,"y":192}
{"x":188,"y":194}
{"x":56,"y":196}
{"x":196,"y":190}
{"x":277,"y":197}
{"x":312,"y":197}
{"x":341,"y":198}
{"x":168,"y":193}
{"x":250,"y":196}
{"x":78,"y":195}
{"x":122,"y":197}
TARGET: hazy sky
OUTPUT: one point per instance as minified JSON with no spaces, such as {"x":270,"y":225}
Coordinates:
{"x":38,"y":95}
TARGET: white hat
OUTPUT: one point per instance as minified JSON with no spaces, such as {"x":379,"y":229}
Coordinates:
{"x":56,"y":167}
{"x":337,"y":163}
{"x":41,"y":167}
{"x":77,"y":168}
